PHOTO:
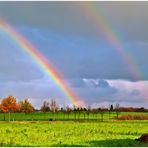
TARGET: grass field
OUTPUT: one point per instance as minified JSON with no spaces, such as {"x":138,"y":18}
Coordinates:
{"x":35,"y":129}
{"x":70,"y":133}
{"x":40,"y":116}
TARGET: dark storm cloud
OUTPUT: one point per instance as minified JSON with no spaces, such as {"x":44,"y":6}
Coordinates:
{"x":60,"y":16}
{"x":62,"y":30}
{"x":76,"y":83}
{"x":14,"y":64}
{"x":128,"y":17}
{"x":103,"y":84}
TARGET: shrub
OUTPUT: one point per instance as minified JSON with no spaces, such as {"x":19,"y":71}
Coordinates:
{"x":133,"y":117}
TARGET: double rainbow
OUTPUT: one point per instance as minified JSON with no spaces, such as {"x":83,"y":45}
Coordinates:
{"x":96,"y":16}
{"x":38,"y":57}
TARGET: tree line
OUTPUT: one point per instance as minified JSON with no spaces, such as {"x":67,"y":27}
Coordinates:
{"x":10,"y":104}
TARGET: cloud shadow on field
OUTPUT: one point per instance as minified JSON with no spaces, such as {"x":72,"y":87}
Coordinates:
{"x":116,"y":143}
{"x":107,"y":143}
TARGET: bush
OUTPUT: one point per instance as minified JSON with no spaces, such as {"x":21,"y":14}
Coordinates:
{"x":133,"y":117}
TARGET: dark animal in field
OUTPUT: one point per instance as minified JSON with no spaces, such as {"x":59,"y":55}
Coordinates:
{"x":52,"y":119}
{"x":143,"y":138}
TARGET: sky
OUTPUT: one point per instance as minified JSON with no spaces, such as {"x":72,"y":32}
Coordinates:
{"x":101,"y":49}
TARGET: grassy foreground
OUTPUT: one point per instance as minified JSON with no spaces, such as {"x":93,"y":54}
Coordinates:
{"x":69,"y":133}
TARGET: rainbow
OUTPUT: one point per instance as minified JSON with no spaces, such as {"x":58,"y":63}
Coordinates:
{"x":109,"y":33}
{"x":38,"y":57}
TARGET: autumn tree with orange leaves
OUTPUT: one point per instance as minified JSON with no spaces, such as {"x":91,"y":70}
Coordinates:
{"x":26,"y":106}
{"x":9,"y":104}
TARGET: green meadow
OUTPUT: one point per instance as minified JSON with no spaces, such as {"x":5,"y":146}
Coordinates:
{"x":72,"y":133}
{"x":45,"y":116}
{"x":35,"y":129}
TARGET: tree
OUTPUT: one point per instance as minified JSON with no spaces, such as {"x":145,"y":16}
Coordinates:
{"x":84,"y":112}
{"x":63,"y":110}
{"x":68,"y":111}
{"x":102,"y":113}
{"x":88,"y":111}
{"x":117,"y":107}
{"x":75,"y":111}
{"x":45,"y":107}
{"x":53,"y":105}
{"x":26,"y":106}
{"x":79,"y":112}
{"x":110,"y":109}
{"x":9,"y":104}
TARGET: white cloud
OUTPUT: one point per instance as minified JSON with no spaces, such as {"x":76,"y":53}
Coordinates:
{"x":128,"y":87}
{"x":118,"y":91}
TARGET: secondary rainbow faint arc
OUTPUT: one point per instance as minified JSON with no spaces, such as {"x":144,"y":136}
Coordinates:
{"x":96,"y":16}
{"x":37,"y":56}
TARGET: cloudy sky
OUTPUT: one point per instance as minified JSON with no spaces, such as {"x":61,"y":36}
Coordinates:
{"x":101,"y":48}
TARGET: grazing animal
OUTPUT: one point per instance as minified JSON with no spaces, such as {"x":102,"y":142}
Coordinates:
{"x":52,"y":119}
{"x":143,"y":138}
